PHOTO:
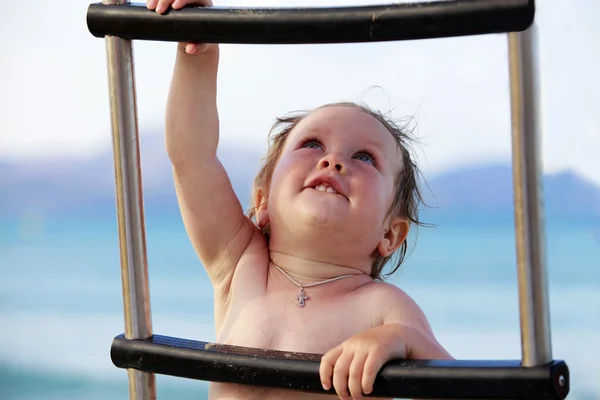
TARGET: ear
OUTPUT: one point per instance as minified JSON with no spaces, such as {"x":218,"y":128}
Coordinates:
{"x":394,"y":236}
{"x":262,"y":216}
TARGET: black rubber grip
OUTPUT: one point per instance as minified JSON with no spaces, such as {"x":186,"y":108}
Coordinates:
{"x":418,"y":379}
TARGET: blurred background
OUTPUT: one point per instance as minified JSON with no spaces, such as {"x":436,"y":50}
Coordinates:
{"x":60,"y":283}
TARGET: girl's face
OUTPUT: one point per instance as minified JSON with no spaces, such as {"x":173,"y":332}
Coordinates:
{"x":336,"y":174}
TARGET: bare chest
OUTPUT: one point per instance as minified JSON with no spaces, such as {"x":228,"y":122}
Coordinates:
{"x":275,"y":321}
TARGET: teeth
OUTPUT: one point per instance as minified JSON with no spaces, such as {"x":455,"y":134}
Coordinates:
{"x":323,"y":188}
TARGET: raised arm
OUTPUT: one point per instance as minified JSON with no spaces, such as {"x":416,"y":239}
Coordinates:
{"x":211,"y":212}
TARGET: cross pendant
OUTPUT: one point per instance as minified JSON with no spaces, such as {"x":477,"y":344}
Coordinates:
{"x":302,"y":297}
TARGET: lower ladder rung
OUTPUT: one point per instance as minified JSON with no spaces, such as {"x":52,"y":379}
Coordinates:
{"x":419,"y":379}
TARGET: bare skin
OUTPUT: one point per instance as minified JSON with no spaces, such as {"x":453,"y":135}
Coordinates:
{"x":327,"y":210}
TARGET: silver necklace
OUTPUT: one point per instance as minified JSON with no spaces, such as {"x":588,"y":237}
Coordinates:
{"x":302,"y":297}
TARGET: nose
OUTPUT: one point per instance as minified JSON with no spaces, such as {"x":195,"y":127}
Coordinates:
{"x":332,"y":161}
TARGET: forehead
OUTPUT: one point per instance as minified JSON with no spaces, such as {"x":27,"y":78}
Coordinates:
{"x":352,"y":124}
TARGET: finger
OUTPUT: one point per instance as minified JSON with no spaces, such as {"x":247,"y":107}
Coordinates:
{"x":182,"y":3}
{"x":340,"y":374}
{"x":162,"y":6}
{"x":372,"y":365}
{"x":191,"y":48}
{"x":326,"y":367}
{"x":196,"y":48}
{"x":177,"y":4}
{"x":355,"y":375}
{"x":151,"y":4}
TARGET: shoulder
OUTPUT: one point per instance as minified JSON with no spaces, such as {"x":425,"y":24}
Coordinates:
{"x":388,"y":293}
{"x":395,"y":306}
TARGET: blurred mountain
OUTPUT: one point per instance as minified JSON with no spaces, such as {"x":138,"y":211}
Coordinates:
{"x":66,"y":186}
{"x":488,"y":189}
{"x":60,"y":186}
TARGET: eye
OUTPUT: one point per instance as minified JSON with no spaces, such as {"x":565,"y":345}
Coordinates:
{"x":366,"y":156}
{"x":311,"y":143}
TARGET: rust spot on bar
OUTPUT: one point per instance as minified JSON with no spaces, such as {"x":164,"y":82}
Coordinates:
{"x":229,"y":349}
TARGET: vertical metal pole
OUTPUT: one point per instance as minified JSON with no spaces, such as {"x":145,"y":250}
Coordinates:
{"x":534,"y":313}
{"x":130,"y":205}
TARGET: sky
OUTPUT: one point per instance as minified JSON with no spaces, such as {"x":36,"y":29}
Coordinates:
{"x":453,"y":92}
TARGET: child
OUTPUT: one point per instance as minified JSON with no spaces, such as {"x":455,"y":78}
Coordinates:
{"x":333,"y":202}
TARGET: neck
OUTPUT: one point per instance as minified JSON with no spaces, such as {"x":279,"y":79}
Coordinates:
{"x":306,"y":270}
{"x":313,"y":254}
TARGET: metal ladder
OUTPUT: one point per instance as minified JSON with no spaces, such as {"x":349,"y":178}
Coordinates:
{"x":536,"y":376}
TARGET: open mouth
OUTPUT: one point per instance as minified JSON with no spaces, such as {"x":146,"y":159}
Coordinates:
{"x":325,"y":188}
{"x":327,"y":185}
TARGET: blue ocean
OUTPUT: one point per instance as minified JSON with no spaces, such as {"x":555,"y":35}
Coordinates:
{"x":61,"y":305}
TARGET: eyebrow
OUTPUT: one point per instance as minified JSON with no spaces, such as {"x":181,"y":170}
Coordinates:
{"x":375,"y":143}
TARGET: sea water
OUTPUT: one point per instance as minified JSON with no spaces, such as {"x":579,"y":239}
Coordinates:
{"x":61,"y":304}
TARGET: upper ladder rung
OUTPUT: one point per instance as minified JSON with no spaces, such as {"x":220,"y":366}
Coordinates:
{"x":406,"y":21}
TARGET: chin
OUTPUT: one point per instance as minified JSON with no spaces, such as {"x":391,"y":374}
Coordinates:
{"x":323,"y":217}
{"x":313,"y":209}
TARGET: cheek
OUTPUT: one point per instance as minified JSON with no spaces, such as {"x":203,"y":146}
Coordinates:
{"x":378,"y":195}
{"x":282,"y":180}
{"x":290,"y":169}
{"x":374,"y":186}
{"x":275,"y":189}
